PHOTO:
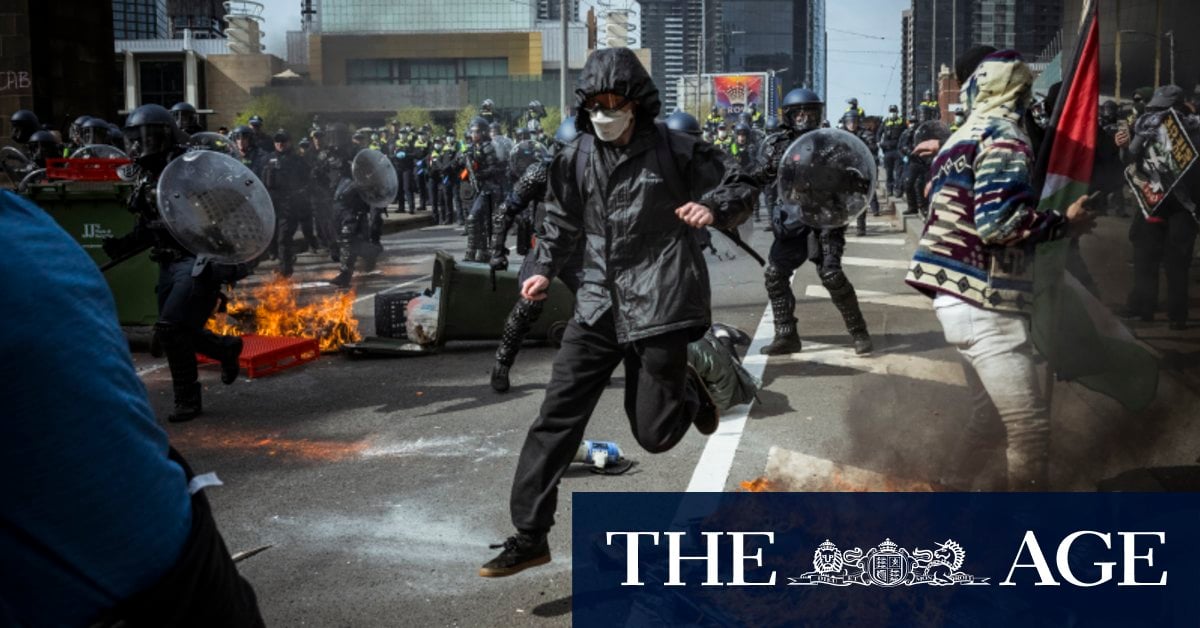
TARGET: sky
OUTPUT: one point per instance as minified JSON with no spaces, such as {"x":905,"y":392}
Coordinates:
{"x":864,"y":53}
{"x":864,"y":47}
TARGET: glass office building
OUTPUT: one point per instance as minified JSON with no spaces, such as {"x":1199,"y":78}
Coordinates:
{"x":424,"y":16}
{"x":140,"y":19}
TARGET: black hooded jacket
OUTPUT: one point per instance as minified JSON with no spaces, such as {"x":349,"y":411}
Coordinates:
{"x":640,"y":260}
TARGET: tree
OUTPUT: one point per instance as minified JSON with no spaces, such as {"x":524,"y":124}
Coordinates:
{"x":416,"y":117}
{"x":276,"y":114}
{"x":463,"y":119}
{"x":552,"y":121}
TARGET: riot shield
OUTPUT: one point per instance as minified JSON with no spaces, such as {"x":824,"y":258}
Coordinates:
{"x":207,"y":140}
{"x":525,"y":154}
{"x":216,"y":207}
{"x":99,"y":151}
{"x":14,"y":163}
{"x":374,"y":178}
{"x":826,"y":179}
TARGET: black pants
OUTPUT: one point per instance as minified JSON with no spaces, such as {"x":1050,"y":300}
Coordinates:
{"x":292,"y":213}
{"x":1169,"y":245}
{"x":184,"y":305}
{"x":451,"y":205}
{"x":893,"y":165}
{"x":434,"y":194}
{"x":660,"y":401}
{"x":408,"y":183}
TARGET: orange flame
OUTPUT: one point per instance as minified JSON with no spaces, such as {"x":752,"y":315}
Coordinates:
{"x":272,"y":309}
{"x":757,"y":485}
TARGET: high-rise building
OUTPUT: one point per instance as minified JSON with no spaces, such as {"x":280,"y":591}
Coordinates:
{"x":552,"y":10}
{"x":774,"y":35}
{"x":202,"y":17}
{"x":1023,"y":25}
{"x":684,"y":37}
{"x":424,"y":16}
{"x":140,"y":19}
{"x":941,"y":29}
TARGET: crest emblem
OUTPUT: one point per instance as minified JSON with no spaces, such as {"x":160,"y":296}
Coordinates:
{"x":888,"y":565}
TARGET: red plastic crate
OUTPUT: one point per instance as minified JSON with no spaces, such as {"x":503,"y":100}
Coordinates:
{"x":264,"y":355}
{"x":84,"y":169}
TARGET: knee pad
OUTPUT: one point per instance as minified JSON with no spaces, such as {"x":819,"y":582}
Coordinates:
{"x":776,"y":278}
{"x":834,"y":280}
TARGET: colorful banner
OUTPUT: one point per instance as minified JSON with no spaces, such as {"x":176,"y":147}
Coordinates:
{"x":885,"y":559}
{"x":1166,"y":159}
{"x":734,"y":92}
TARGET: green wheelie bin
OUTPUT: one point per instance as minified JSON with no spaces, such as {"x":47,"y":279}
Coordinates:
{"x":471,"y":310}
{"x":91,"y":211}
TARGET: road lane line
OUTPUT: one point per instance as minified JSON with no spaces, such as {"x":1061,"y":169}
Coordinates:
{"x":399,"y":285}
{"x":871,"y":262}
{"x":912,"y":301}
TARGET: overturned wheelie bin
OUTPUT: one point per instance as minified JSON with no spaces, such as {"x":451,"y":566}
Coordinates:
{"x":459,"y":305}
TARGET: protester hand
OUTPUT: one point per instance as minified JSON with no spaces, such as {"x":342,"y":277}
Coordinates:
{"x":1122,"y":137}
{"x":1079,"y":219}
{"x":695,"y":215}
{"x":534,"y":288}
{"x":927,"y":148}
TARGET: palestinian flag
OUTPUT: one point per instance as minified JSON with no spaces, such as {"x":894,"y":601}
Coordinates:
{"x":1075,"y":332}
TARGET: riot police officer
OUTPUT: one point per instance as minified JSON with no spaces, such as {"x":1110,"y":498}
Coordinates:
{"x":487,"y":110}
{"x":406,"y":168}
{"x":188,"y":287}
{"x":486,"y":171}
{"x":713,"y":120}
{"x":95,"y":131}
{"x":795,"y":243}
{"x":264,"y":141}
{"x":286,"y":176}
{"x":43,"y":145}
{"x":529,"y":190}
{"x":24,"y":124}
{"x":75,"y":136}
{"x":332,"y":158}
{"x":757,"y":119}
{"x":420,"y":156}
{"x":354,"y":215}
{"x":852,"y":124}
{"x":889,"y":140}
{"x":853,"y":106}
{"x":186,"y":117}
{"x":451,"y":204}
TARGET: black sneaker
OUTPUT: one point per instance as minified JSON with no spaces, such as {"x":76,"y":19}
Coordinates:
{"x":230,"y":366}
{"x":500,"y":381}
{"x":521,"y":551}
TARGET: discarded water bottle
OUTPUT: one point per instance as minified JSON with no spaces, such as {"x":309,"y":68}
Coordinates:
{"x":598,"y":453}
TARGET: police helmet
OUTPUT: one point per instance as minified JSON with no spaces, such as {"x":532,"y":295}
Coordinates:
{"x":487,"y":104}
{"x":853,"y":102}
{"x":255,"y":121}
{"x":184,"y":113}
{"x":24,"y":124}
{"x":494,"y":128}
{"x":683,"y":122}
{"x":927,"y":94}
{"x":479,"y":125}
{"x":152,"y":128}
{"x":893,"y":109}
{"x":741,"y":129}
{"x":76,"y":130}
{"x":95,"y":131}
{"x":772,"y":124}
{"x":305,"y":143}
{"x":241,"y":131}
{"x":803,"y":100}
{"x":281,"y":136}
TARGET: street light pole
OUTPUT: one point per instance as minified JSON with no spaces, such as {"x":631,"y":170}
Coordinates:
{"x":566,"y":63}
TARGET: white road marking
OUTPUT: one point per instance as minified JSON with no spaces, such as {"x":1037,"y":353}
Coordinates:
{"x":146,"y":370}
{"x":869,"y":239}
{"x":870,"y":262}
{"x":712,"y":470}
{"x":881,"y":363}
{"x":912,"y":301}
{"x":399,"y":285}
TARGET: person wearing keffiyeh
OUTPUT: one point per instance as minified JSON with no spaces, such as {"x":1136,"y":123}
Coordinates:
{"x":975,"y":261}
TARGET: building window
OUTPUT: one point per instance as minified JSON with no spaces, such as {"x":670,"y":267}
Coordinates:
{"x":421,"y":71}
{"x":161,"y":82}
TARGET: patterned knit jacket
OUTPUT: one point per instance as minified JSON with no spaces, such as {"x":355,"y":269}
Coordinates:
{"x":978,"y":241}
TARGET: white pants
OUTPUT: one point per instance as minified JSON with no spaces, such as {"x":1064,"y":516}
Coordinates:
{"x":1003,"y":381}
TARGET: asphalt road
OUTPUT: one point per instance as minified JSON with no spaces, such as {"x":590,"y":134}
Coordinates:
{"x":380,"y":483}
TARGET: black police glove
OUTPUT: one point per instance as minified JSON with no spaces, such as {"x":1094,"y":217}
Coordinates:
{"x":499,"y":259}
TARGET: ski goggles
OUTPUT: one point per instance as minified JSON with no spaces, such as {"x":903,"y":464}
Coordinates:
{"x":605,"y":102}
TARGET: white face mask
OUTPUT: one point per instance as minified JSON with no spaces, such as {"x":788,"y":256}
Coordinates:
{"x":609,"y":123}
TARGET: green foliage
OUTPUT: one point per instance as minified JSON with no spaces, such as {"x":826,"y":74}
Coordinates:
{"x":276,"y":114}
{"x":463,"y":119}
{"x":552,"y":120}
{"x":414,"y":116}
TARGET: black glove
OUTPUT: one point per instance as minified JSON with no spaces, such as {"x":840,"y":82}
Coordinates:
{"x":499,"y":259}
